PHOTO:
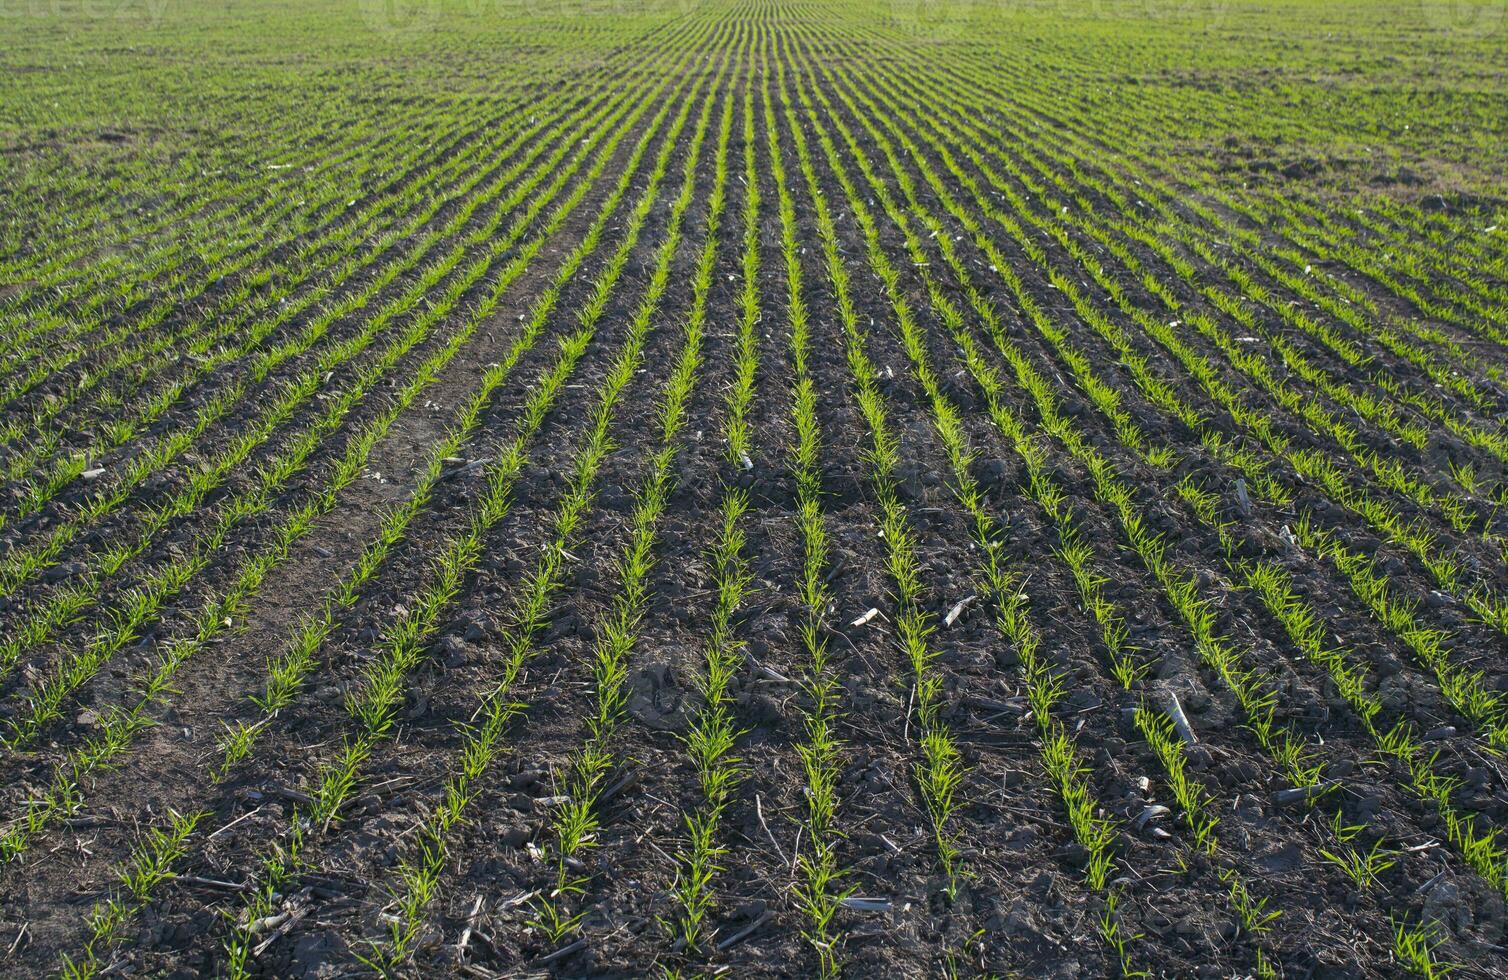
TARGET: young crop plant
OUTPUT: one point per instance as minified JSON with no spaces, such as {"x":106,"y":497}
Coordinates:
{"x":24,"y":564}
{"x":209,"y":356}
{"x":585,"y":775}
{"x":819,"y":889}
{"x":150,"y":865}
{"x":1192,"y":796}
{"x":373,"y":708}
{"x":939,"y":771}
{"x":1365,"y":870}
{"x":419,"y":877}
{"x":712,"y":738}
{"x":1414,"y":949}
{"x":64,"y":793}
{"x":1120,"y":541}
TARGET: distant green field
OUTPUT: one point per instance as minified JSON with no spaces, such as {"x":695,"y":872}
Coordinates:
{"x":782,"y":488}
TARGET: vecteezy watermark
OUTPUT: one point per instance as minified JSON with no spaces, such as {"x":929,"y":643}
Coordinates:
{"x":1465,"y":18}
{"x":932,"y":20}
{"x":396,"y":18}
{"x":400,"y":18}
{"x":139,"y":12}
{"x":1197,"y":13}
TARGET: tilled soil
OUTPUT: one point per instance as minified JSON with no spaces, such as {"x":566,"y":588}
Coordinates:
{"x":1326,"y":860}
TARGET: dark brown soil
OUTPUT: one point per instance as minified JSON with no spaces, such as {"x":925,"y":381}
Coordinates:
{"x":1025,"y":907}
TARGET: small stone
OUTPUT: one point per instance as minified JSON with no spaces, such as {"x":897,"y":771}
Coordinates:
{"x":63,"y":570}
{"x":1074,"y":853}
{"x":525,"y":779}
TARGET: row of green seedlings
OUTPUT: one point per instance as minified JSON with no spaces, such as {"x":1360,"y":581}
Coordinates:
{"x":1076,"y":554}
{"x":1386,"y":470}
{"x":582,"y":783}
{"x":574,"y":824}
{"x":1380,"y":513}
{"x":1364,"y":867}
{"x":713,"y":734}
{"x":1130,"y":132}
{"x":818,"y":891}
{"x":1367,"y":322}
{"x":26,"y":563}
{"x":1423,"y":250}
{"x":202,"y":358}
{"x":269,"y":361}
{"x":393,"y":159}
{"x":1451,"y":680}
{"x":224,"y":316}
{"x":1447,"y":569}
{"x":55,"y":282}
{"x":1367,"y":405}
{"x":172,"y":444}
{"x":1464,"y":688}
{"x":1106,"y":398}
{"x":1061,"y":757}
{"x":149,"y":866}
{"x":101,"y":194}
{"x":355,"y":160}
{"x":1481,"y":850}
{"x":940,"y":773}
{"x":64,"y":795}
{"x":375,"y":704}
{"x":1455,"y":511}
{"x":141,"y":604}
{"x":288,"y":672}
{"x":1355,"y":305}
{"x":1414,"y":943}
{"x":1285,"y":748}
{"x":480,"y":163}
{"x":1093,"y":831}
{"x":125,"y":331}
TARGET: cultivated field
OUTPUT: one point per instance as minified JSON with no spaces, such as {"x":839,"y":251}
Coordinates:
{"x":770,"y":488}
